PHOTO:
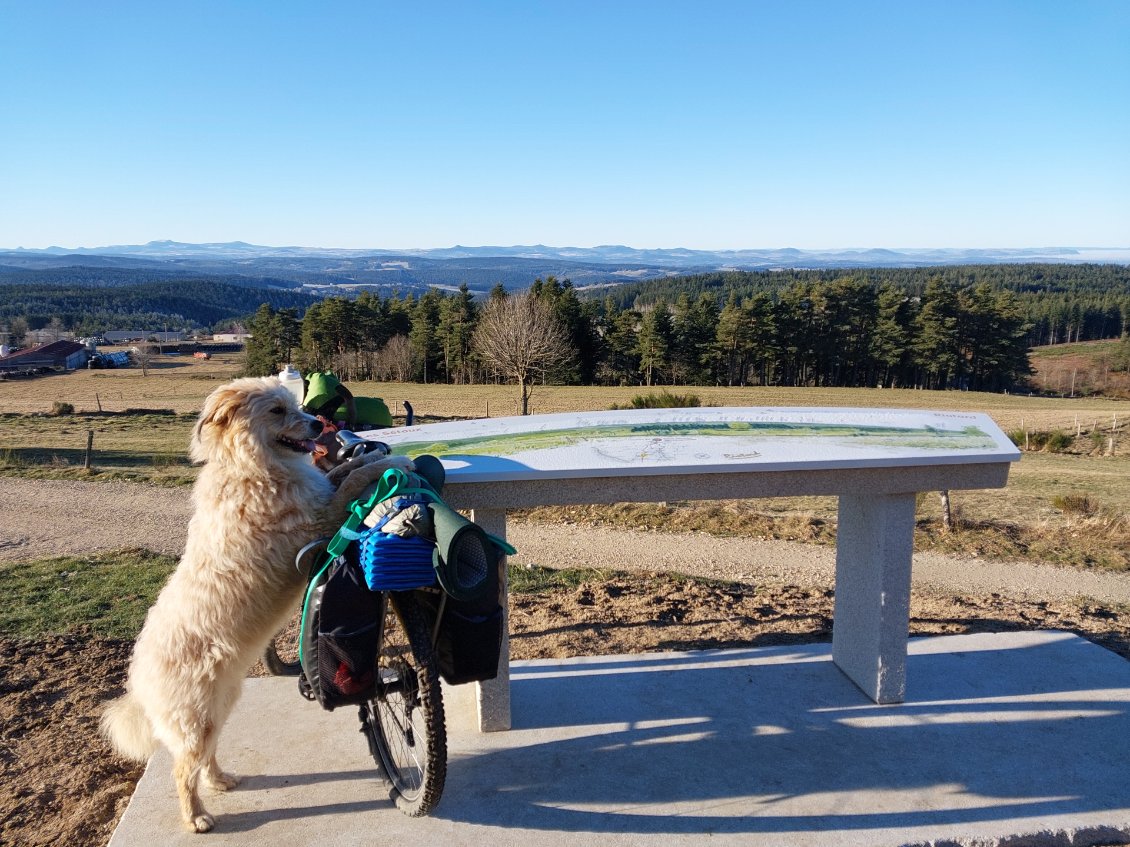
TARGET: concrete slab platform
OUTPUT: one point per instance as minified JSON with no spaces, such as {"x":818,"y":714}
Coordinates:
{"x":1001,"y":736}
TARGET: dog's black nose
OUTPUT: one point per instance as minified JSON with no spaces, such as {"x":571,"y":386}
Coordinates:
{"x":316,"y":426}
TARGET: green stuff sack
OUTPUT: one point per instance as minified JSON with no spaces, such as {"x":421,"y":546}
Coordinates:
{"x":370,"y":410}
{"x":321,"y":388}
{"x":321,"y":391}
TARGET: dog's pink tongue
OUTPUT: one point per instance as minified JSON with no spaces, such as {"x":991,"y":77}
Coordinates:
{"x":308,"y":445}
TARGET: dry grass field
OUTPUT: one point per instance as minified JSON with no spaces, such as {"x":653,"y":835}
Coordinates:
{"x":1068,"y":506}
{"x":179,"y":384}
{"x":1078,"y":369}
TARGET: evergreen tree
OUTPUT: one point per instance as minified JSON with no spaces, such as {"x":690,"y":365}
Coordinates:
{"x":992,"y":337}
{"x":795,"y":330}
{"x":1121,"y":359}
{"x":889,"y":340}
{"x":262,"y":355}
{"x":653,"y":341}
{"x":621,"y":360}
{"x":935,"y":345}
{"x":289,"y":332}
{"x":456,"y":328}
{"x":372,"y":315}
{"x":761,"y":347}
{"x":694,"y":325}
{"x":578,"y":324}
{"x":399,"y":314}
{"x":732,"y":340}
{"x":852,"y":315}
{"x":425,"y":345}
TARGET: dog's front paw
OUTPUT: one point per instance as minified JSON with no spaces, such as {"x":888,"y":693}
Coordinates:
{"x":202,"y":823}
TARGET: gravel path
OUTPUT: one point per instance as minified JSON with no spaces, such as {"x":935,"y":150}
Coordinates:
{"x":50,"y":518}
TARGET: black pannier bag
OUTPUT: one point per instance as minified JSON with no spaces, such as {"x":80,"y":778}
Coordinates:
{"x":341,"y":628}
{"x":469,"y":639}
{"x":469,"y":643}
{"x":467,"y":563}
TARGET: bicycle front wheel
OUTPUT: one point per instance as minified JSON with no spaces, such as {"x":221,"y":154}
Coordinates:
{"x":404,"y":723}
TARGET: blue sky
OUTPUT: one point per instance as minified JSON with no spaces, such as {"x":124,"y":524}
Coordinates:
{"x":703,"y":124}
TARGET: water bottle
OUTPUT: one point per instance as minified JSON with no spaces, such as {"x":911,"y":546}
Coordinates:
{"x":292,"y":379}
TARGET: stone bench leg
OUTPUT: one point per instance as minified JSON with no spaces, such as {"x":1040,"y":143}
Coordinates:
{"x":492,"y":698}
{"x":874,"y":548}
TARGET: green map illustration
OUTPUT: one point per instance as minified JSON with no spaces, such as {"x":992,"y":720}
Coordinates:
{"x":509,"y":444}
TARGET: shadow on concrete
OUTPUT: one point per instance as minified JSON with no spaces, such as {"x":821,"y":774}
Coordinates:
{"x":743,"y":741}
{"x":265,"y":782}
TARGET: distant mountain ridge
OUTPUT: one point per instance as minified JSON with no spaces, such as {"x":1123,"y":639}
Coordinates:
{"x":408,"y":270}
{"x":618,"y":253}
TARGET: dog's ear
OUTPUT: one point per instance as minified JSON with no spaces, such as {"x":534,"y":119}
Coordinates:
{"x":219,"y":409}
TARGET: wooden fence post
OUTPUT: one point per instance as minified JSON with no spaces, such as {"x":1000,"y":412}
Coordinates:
{"x":89,"y":448}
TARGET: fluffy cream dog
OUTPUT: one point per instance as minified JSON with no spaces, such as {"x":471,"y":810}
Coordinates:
{"x":257,"y":500}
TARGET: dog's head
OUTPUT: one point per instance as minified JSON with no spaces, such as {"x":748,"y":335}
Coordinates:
{"x":253,"y":420}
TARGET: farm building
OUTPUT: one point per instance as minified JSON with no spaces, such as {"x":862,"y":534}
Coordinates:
{"x":56,"y":356}
{"x":46,"y":336}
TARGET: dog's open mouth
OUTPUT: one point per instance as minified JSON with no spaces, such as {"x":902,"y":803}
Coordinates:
{"x":306,"y":446}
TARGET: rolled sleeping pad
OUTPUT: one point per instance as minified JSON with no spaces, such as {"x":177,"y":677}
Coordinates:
{"x":465,"y":558}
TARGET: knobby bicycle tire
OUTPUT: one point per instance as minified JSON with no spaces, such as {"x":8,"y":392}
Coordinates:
{"x":404,"y":723}
{"x":281,"y":656}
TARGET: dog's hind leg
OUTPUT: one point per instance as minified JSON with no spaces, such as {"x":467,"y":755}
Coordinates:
{"x":214,"y":776}
{"x":218,"y":779}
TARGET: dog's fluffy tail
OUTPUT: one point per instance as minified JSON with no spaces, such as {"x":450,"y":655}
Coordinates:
{"x":127,"y":728}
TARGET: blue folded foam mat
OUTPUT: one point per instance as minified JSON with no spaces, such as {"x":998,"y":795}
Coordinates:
{"x":393,"y":563}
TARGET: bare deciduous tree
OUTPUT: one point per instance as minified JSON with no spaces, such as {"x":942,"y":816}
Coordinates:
{"x":143,"y":354}
{"x":393,"y":362}
{"x":519,"y":338}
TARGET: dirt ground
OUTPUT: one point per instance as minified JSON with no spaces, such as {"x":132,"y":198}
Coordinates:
{"x":60,"y":784}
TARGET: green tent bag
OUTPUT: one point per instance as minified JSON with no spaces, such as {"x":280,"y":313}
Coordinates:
{"x":322,"y":390}
{"x":370,"y":410}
